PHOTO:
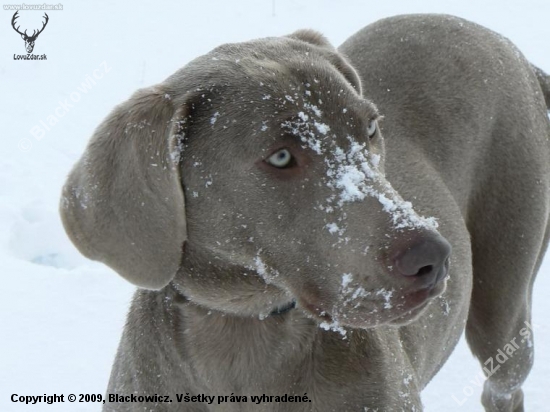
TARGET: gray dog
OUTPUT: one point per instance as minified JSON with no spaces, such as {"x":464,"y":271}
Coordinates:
{"x":252,"y":198}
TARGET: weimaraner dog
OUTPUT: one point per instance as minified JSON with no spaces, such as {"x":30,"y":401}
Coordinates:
{"x":288,"y":210}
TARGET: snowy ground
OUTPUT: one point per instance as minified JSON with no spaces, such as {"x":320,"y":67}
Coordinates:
{"x":60,"y":315}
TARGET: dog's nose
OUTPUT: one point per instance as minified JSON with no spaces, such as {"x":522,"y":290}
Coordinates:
{"x":427,"y":258}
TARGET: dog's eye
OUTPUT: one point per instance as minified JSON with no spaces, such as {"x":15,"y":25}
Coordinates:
{"x":371,"y":128}
{"x":280,"y":159}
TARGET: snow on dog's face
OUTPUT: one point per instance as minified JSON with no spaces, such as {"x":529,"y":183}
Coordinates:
{"x":282,"y":163}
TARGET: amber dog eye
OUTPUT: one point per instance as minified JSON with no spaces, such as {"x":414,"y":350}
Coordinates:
{"x":371,"y":128}
{"x":280,"y":159}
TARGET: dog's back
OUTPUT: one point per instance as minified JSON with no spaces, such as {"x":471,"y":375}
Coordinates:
{"x":466,"y":127}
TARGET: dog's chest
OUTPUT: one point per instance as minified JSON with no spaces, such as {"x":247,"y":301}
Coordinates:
{"x":261,"y":369}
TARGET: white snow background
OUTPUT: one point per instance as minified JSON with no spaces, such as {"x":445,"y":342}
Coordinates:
{"x":61,"y":316}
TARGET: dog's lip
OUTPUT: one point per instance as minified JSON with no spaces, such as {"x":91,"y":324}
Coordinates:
{"x":411,"y":312}
{"x":418,"y":297}
{"x":421,"y":298}
{"x":424,"y":295}
{"x":414,"y":301}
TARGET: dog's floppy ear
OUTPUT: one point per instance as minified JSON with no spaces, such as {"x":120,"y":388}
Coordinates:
{"x":332,"y":55}
{"x":123,"y":203}
{"x":311,"y":37}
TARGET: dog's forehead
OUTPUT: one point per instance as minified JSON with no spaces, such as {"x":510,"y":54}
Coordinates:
{"x":272,"y":111}
{"x":313,"y":103}
{"x":278,"y":65}
{"x":266,"y":87}
{"x":293,"y":87}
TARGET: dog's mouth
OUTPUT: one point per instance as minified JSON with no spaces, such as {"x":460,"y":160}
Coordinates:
{"x":375,"y":312}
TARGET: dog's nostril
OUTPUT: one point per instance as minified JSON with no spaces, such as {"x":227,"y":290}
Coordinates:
{"x":424,"y":270}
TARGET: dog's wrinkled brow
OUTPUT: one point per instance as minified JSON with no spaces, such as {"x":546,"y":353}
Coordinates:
{"x":369,"y":110}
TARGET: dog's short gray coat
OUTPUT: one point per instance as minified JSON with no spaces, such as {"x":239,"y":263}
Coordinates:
{"x":179,"y":192}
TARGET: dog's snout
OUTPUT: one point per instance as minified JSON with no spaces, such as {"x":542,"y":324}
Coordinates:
{"x":427,"y":258}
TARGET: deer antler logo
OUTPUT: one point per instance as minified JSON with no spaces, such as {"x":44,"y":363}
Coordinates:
{"x":29,"y":40}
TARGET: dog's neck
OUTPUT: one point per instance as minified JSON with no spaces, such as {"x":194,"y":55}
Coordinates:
{"x":223,"y":283}
{"x":228,"y":349}
{"x":228,"y":353}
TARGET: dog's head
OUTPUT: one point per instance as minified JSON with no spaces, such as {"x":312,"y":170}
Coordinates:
{"x":251,"y":178}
